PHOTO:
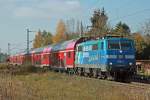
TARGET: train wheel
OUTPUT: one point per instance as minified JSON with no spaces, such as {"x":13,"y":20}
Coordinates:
{"x":91,"y":72}
{"x":71,"y":71}
{"x":127,"y":77}
{"x":102,"y":75}
{"x":45,"y":68}
{"x":76,"y":70}
{"x":95,"y":73}
{"x":118,"y":77}
{"x":80,"y":71}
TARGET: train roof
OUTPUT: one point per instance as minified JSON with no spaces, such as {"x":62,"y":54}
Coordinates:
{"x":37,"y":50}
{"x":64,"y":45}
{"x":115,"y":38}
{"x":93,"y":41}
{"x":68,"y":45}
{"x":56,"y":47}
{"x":47,"y":48}
{"x":90,"y":41}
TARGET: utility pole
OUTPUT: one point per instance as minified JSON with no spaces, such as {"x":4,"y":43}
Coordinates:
{"x":81,"y":32}
{"x":0,"y":55}
{"x":28,"y":42}
{"x":8,"y":49}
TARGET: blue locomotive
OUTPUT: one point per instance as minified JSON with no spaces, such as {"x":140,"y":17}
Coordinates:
{"x":108,"y":57}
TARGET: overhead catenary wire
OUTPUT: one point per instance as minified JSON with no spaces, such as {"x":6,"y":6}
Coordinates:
{"x":124,"y":16}
{"x":131,"y":14}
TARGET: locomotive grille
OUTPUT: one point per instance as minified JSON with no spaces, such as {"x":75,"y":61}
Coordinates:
{"x":120,"y":56}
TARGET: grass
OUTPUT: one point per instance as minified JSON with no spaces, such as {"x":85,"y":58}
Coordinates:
{"x":39,"y":85}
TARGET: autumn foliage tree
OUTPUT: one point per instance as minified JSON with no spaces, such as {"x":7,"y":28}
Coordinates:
{"x":60,"y":32}
{"x":146,"y":32}
{"x":38,"y":40}
{"x":139,"y":44}
{"x":42,"y":39}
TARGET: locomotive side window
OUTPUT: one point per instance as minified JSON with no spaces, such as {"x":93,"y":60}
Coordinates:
{"x":102,"y":45}
{"x":95,"y":47}
{"x":80,"y":48}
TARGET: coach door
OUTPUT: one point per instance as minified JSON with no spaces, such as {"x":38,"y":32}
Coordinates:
{"x":65,"y":58}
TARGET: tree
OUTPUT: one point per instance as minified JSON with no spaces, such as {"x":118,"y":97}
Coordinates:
{"x":60,"y":32}
{"x":38,"y":40}
{"x":146,"y":32}
{"x":73,"y":28}
{"x":146,"y":27}
{"x":42,"y":39}
{"x":139,"y":44}
{"x":99,"y":22}
{"x":46,"y":38}
{"x":70,"y":26}
{"x":122,"y":29}
{"x":147,"y":39}
{"x":145,"y":54}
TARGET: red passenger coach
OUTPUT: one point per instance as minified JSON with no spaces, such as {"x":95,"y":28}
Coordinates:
{"x":45,"y":59}
{"x":63,"y":54}
{"x":70,"y":54}
{"x":12,"y":59}
{"x":36,"y":56}
{"x":20,"y":59}
{"x":58,"y":56}
{"x":70,"y":51}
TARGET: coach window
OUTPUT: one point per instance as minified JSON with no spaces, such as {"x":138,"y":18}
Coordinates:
{"x":102,"y":45}
{"x":95,"y":47}
{"x":44,"y":57}
{"x":69,"y":54}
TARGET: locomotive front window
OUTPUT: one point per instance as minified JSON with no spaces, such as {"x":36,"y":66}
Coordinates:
{"x":126,"y":45}
{"x":113,"y":45}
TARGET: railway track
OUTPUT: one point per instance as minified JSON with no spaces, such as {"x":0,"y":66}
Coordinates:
{"x":142,"y":85}
{"x":133,"y":85}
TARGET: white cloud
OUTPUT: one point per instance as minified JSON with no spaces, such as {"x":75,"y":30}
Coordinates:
{"x":30,"y":12}
{"x":48,"y":8}
{"x":74,"y":3}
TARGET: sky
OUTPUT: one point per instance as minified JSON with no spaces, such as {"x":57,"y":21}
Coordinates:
{"x":18,"y":15}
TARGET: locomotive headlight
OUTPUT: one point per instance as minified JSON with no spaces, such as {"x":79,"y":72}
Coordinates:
{"x":130,"y":63}
{"x":110,"y":63}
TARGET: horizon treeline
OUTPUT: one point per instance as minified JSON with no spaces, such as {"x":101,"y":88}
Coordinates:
{"x":73,"y":28}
